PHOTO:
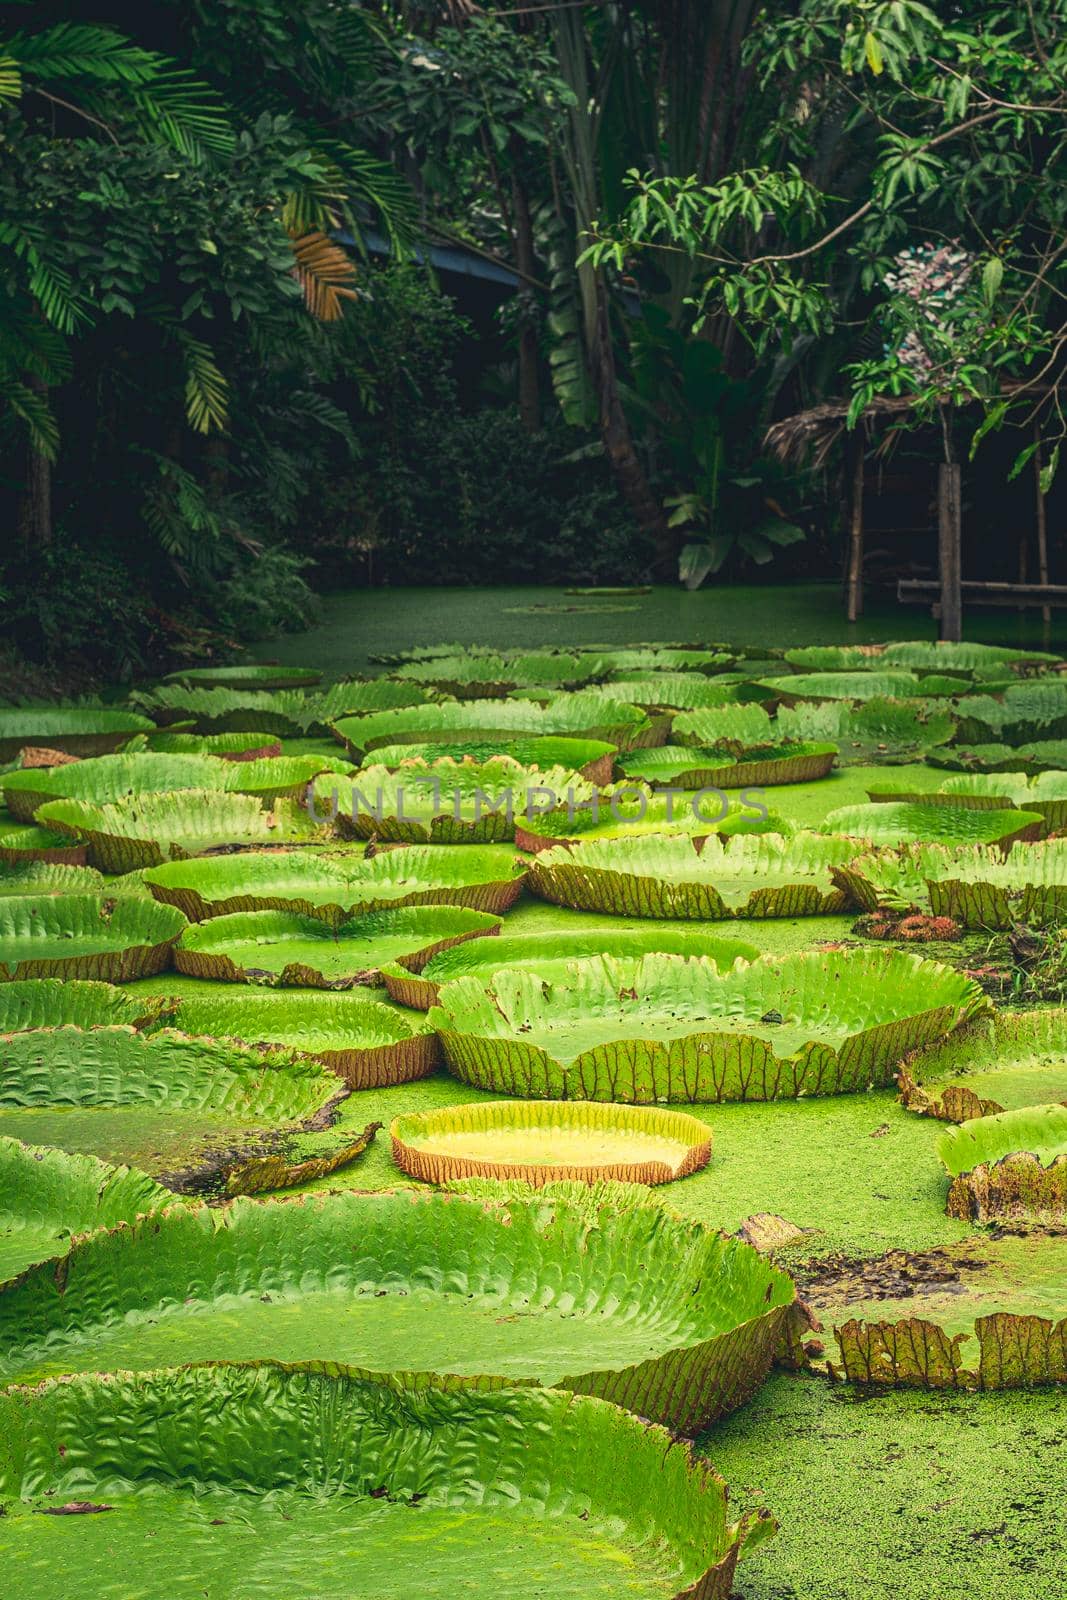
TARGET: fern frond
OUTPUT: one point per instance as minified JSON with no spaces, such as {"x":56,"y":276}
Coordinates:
{"x":185,"y":112}
{"x":325,"y":273}
{"x":82,"y":50}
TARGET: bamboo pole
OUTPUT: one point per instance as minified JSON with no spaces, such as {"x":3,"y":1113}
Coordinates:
{"x":949,"y":539}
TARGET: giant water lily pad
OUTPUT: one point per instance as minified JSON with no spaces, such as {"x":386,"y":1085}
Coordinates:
{"x":287,"y":949}
{"x":1004,"y":1063}
{"x":24,"y":841}
{"x":484,"y":877}
{"x":471,"y":677}
{"x":245,"y":677}
{"x":547,"y":954}
{"x":239,"y":745}
{"x":542,"y":1141}
{"x":593,"y":758}
{"x":1044,"y":794}
{"x":630,"y":662}
{"x":1041,"y":755}
{"x":683,"y":691}
{"x":72,"y":1002}
{"x":919,"y":655}
{"x":896,"y":822}
{"x":632,"y":811}
{"x":49,"y":877}
{"x":670,"y":1028}
{"x":725,"y":725}
{"x":77,"y":731}
{"x":983,"y":889}
{"x":745,"y":876}
{"x":85,"y":936}
{"x":766,"y":765}
{"x":447,"y":801}
{"x":877,"y":729}
{"x":1025,"y":711}
{"x":47,"y":1197}
{"x":284,"y":712}
{"x":108,"y":779}
{"x":583,"y":716}
{"x":306,"y":1479}
{"x":146,"y":830}
{"x":367,"y":1042}
{"x":861,"y":686}
{"x":164,"y":1102}
{"x":597,"y":1293}
{"x":1010,"y":1165}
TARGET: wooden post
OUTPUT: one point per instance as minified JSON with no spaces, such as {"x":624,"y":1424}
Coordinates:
{"x":854,"y":585}
{"x":1042,"y":527}
{"x":949,"y":540}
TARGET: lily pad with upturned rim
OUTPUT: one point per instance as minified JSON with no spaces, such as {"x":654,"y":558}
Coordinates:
{"x":1012,"y":1060}
{"x":25,"y":841}
{"x":85,"y":936}
{"x":1013,"y":1164}
{"x":585,"y":1288}
{"x":667,"y":1028}
{"x":245,"y":677}
{"x":690,"y":767}
{"x":305,"y":1475}
{"x":367,"y":1042}
{"x":543,"y":1141}
{"x":47,"y":1197}
{"x":756,"y":875}
{"x":289,"y":950}
{"x":148,"y":830}
{"x":547,"y":954}
{"x":485,"y":877}
{"x":906,"y":822}
{"x":77,"y":731}
{"x":584,"y":715}
{"x":593,"y":758}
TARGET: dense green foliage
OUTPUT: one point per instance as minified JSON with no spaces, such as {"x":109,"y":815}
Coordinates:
{"x":214,"y":392}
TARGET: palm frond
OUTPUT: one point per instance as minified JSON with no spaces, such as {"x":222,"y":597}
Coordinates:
{"x":206,"y":390}
{"x":179,"y":108}
{"x":33,"y":411}
{"x":82,"y":50}
{"x":325,"y":274}
{"x":10,"y":80}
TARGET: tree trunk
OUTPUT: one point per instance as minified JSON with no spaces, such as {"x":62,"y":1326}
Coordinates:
{"x":35,"y":502}
{"x":949,"y":536}
{"x":619,"y":445}
{"x":529,"y":353}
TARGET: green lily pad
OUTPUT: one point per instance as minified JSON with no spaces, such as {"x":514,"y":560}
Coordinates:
{"x":880,"y":730}
{"x":669,"y":1028}
{"x":547,"y":955}
{"x":85,"y":936}
{"x":1024,"y":712}
{"x":24,"y":842}
{"x":593,"y":758}
{"x":755,"y":875}
{"x":761,"y":766}
{"x":49,"y":877}
{"x":447,"y":801}
{"x":48,"y":1197}
{"x":908,"y":822}
{"x":1007,"y":1062}
{"x":77,"y":731}
{"x":1010,"y":1165}
{"x":286,"y":949}
{"x":309,"y":1475}
{"x":484,"y":877}
{"x":983,"y":889}
{"x":248,"y":677}
{"x":146,"y":830}
{"x":181,"y":1108}
{"x":585,"y":715}
{"x":468,"y":1292}
{"x":367,"y":1042}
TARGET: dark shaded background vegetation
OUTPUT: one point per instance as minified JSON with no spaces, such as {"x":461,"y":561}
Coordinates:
{"x":209,"y":407}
